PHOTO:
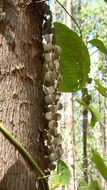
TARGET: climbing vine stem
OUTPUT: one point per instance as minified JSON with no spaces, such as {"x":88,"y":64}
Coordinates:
{"x":71,"y":17}
{"x":17,"y":144}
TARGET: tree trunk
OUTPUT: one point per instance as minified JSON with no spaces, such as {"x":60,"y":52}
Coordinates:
{"x":86,"y":98}
{"x":86,"y":3}
{"x":21,"y":95}
{"x":105,"y":134}
{"x":70,"y":139}
{"x":70,"y":122}
{"x":105,"y":126}
{"x":54,"y":11}
{"x":85,"y":129}
{"x":70,"y":10}
{"x":73,"y":144}
{"x":79,"y":5}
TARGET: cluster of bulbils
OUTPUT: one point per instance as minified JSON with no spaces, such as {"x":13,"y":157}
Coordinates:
{"x":52,"y":79}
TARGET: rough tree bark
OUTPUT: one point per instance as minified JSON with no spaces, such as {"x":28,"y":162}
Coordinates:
{"x":21,"y":96}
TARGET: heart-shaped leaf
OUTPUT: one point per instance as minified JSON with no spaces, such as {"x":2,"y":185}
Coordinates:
{"x":75,"y":60}
{"x":63,"y":175}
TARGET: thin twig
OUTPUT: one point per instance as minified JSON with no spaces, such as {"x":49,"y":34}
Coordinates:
{"x":93,"y":52}
{"x":70,"y":17}
{"x":41,"y":1}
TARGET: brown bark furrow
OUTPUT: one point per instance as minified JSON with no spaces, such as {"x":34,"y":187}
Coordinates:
{"x":21,"y":96}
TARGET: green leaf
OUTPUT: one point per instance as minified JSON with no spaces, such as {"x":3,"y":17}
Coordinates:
{"x":94,"y":185}
{"x":100,"y":66}
{"x":63,"y":177}
{"x":100,"y":165}
{"x":75,"y":60}
{"x":100,"y":88}
{"x":99,"y":44}
{"x":82,"y":103}
{"x":95,"y":115}
{"x":105,"y":1}
{"x":82,"y":185}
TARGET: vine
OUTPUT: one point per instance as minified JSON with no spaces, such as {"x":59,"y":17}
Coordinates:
{"x":74,"y":20}
{"x":52,"y":79}
{"x":24,"y":152}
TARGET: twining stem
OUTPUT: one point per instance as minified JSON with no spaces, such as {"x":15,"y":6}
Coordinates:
{"x":70,"y":17}
{"x":54,"y":174}
{"x":18,"y":145}
{"x":93,"y":52}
